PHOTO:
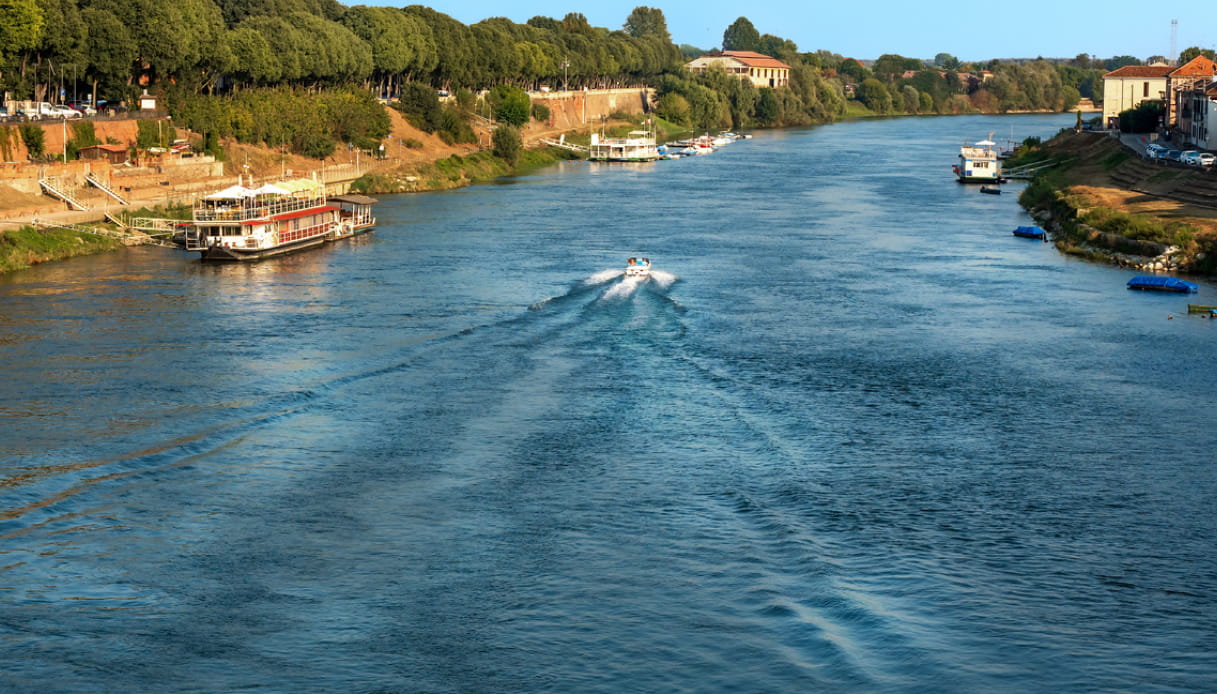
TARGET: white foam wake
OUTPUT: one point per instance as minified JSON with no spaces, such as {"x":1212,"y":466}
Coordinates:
{"x":602,"y":277}
{"x":662,"y":279}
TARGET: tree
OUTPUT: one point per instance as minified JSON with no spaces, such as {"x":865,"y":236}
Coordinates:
{"x":946,"y":61}
{"x":21,"y":26}
{"x":1187,"y":54}
{"x":1120,"y":61}
{"x":741,"y":36}
{"x":647,"y":22}
{"x":875,"y":96}
{"x":512,"y":104}
{"x":507,"y":143}
{"x":768,"y":108}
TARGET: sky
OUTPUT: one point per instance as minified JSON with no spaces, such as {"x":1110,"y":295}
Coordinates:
{"x":1027,"y":29}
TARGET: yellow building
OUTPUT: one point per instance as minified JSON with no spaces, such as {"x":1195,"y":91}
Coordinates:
{"x":1127,"y":87}
{"x":762,"y":70}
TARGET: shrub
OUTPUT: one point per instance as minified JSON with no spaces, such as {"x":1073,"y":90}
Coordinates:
{"x":507,"y":143}
{"x":540,"y":112}
{"x":34,"y":139}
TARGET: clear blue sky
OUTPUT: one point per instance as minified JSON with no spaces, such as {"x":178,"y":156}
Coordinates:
{"x":868,"y":29}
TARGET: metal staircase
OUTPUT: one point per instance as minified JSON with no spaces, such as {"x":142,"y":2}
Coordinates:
{"x":563,"y":144}
{"x":50,"y":189}
{"x":96,"y":183}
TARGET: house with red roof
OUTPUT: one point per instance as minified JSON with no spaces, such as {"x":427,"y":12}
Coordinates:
{"x":762,"y":70}
{"x":1186,"y":98}
{"x":1126,"y":88}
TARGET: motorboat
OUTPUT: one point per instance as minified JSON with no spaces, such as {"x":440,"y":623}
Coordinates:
{"x":638,"y":267}
{"x":991,"y":190}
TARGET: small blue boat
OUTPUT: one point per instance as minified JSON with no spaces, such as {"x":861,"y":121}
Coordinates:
{"x":1159,"y":283}
{"x":1031,"y":233}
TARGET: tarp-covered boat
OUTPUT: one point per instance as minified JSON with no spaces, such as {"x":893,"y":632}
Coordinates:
{"x":1160,"y":283}
{"x":1031,"y":233}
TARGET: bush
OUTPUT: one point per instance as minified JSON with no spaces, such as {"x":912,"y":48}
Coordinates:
{"x":540,"y":112}
{"x":511,"y":104}
{"x":34,"y":139}
{"x":507,"y":143}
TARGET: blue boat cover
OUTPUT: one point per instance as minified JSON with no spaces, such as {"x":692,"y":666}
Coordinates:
{"x":1162,"y":283}
{"x":1030,"y":231}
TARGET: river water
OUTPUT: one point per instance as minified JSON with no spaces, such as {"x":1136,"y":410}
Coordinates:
{"x":853,"y":436}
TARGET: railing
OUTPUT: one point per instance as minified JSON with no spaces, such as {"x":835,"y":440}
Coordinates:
{"x":55,"y":192}
{"x":242,"y":212}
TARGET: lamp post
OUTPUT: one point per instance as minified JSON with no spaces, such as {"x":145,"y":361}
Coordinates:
{"x":565,"y":83}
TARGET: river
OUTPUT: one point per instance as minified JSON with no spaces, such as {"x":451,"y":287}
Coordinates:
{"x":852,"y":436}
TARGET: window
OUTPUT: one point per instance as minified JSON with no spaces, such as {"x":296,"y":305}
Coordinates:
{"x":1145,"y":89}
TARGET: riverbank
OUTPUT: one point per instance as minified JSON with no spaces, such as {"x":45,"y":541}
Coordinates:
{"x":1104,"y":203}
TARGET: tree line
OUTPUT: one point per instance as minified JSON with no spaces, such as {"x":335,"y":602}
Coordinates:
{"x":214,"y":60}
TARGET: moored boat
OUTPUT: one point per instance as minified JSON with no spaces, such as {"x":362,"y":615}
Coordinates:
{"x":638,"y":267}
{"x":242,"y":224}
{"x":1031,"y":233}
{"x":1162,"y":283}
{"x":978,"y":163}
{"x":639,"y":145}
{"x":354,"y":215}
{"x":991,"y":190}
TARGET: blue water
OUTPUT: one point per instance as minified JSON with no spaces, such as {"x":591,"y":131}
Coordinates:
{"x":852,"y":437}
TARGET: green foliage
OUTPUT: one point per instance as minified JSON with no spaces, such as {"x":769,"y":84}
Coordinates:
{"x":673,"y":107}
{"x":420,"y":105}
{"x":507,"y":143}
{"x":1142,"y":119}
{"x":1191,"y":53}
{"x":540,"y":112}
{"x":35,"y":141}
{"x":511,"y":104}
{"x":154,"y":134}
{"x":312,"y":124}
{"x":741,"y":36}
{"x":875,"y":96}
{"x":25,"y":247}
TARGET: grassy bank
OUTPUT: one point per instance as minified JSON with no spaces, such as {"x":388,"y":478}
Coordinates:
{"x":26,"y":247}
{"x":458,"y":171}
{"x":1103,"y":203}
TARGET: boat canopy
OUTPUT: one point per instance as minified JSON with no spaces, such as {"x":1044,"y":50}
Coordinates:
{"x":271,"y":189}
{"x":232,"y":193}
{"x":986,"y":143}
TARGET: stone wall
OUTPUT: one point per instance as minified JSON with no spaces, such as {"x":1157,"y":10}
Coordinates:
{"x":569,"y":110}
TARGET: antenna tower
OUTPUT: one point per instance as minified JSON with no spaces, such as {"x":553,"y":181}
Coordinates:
{"x":1174,"y":37}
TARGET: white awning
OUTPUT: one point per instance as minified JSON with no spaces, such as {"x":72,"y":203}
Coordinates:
{"x":233,"y":193}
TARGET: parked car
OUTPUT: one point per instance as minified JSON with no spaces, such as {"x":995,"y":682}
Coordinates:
{"x":1154,"y":151}
{"x":1190,"y":157}
{"x":1206,"y":159}
{"x":55,"y":111}
{"x":4,"y":113}
{"x":110,"y":107}
{"x":83,"y":107}
{"x":1172,"y":155}
{"x":27,"y":113}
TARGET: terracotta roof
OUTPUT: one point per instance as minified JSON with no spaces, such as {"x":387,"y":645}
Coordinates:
{"x":1143,"y":71}
{"x":1196,"y":67}
{"x":752,"y":59}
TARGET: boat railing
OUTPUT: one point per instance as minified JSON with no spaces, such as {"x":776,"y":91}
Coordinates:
{"x":223,"y":211}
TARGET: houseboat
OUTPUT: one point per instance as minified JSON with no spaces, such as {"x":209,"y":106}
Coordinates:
{"x":978,"y":163}
{"x":241,"y":223}
{"x":639,"y":145}
{"x":354,"y":214}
